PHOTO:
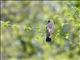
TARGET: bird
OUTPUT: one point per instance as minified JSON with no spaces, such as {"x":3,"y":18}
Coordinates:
{"x":49,"y":30}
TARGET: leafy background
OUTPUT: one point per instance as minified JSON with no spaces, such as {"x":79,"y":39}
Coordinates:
{"x":23,"y":30}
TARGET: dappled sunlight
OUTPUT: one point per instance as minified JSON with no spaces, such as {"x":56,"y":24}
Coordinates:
{"x":23,"y":30}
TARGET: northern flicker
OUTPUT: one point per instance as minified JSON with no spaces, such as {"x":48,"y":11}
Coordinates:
{"x":49,"y":30}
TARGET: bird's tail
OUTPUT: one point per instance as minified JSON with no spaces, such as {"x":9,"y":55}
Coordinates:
{"x":48,"y":39}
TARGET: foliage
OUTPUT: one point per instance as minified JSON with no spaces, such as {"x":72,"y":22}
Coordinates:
{"x":23,"y":30}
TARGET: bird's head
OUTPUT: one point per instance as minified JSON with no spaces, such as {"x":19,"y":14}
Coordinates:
{"x":49,"y":21}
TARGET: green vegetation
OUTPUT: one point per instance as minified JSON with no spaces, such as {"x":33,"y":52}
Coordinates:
{"x":23,"y":30}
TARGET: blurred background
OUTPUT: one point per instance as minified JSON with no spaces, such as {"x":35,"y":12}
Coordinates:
{"x":23,"y":30}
